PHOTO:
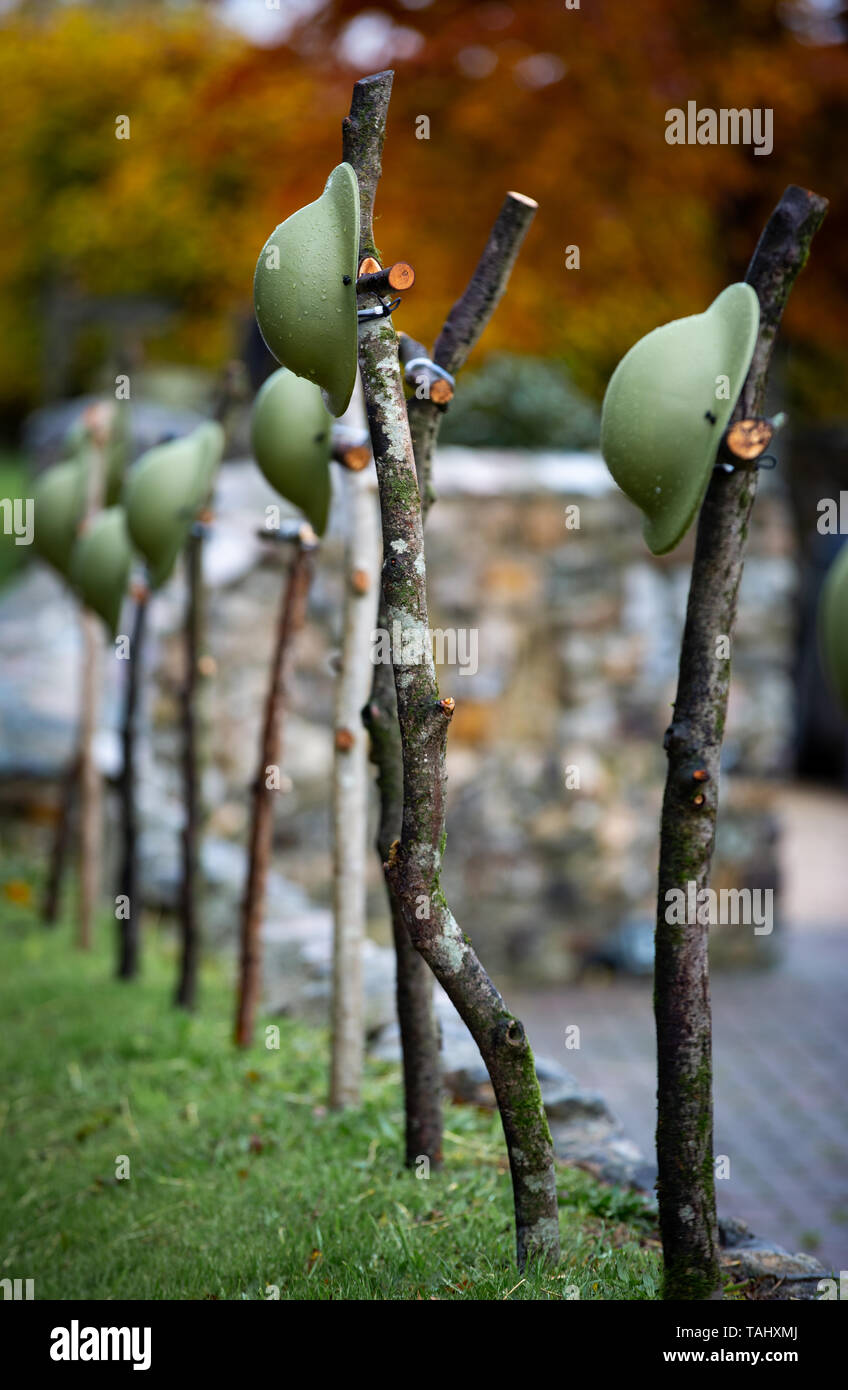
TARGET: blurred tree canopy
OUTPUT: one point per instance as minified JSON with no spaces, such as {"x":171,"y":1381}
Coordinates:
{"x":227,"y":137}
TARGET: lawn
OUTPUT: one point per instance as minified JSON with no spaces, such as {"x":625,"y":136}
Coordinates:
{"x":241,"y":1184}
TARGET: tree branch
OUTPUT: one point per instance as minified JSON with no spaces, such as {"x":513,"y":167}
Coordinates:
{"x":466,"y":322}
{"x":475,"y":306}
{"x":290,"y":619}
{"x":415,"y":862}
{"x":418,"y":1028}
{"x":693,"y":742}
{"x":363,"y":133}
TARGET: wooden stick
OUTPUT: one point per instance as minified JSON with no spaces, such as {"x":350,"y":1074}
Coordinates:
{"x":129,"y":926}
{"x":186,"y":992}
{"x":418,"y":1027}
{"x":61,"y":841}
{"x":91,"y":787}
{"x":350,"y":788}
{"x":693,"y":743}
{"x":467,"y":319}
{"x":414,"y":864}
{"x":99,"y":418}
{"x":290,"y":620}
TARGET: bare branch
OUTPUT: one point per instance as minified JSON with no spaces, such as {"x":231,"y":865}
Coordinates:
{"x":414,"y":865}
{"x":693,"y":743}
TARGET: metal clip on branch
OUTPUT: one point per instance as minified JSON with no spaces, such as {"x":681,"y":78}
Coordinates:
{"x":419,"y":368}
{"x":373,"y":279}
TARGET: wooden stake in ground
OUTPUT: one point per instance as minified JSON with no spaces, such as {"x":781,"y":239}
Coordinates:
{"x":291,"y":616}
{"x":61,"y":841}
{"x":431,"y":378}
{"x":350,"y":786}
{"x":98,"y":419}
{"x":129,"y":928}
{"x":693,"y":742}
{"x":195,"y":662}
{"x":90,"y":781}
{"x":415,"y":861}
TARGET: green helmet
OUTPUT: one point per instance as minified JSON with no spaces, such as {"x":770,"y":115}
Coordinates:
{"x":833,"y":626}
{"x":100,"y":565}
{"x":60,"y":497}
{"x":304,"y":289}
{"x":164,"y":492}
{"x":291,"y":436}
{"x":662,"y":418}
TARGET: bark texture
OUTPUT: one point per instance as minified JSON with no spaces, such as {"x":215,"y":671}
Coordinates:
{"x":693,"y":743}
{"x":91,"y":783}
{"x":350,"y":787}
{"x":462,"y":329}
{"x":186,"y":993}
{"x":61,"y":842}
{"x":419,"y":1030}
{"x":414,"y":863}
{"x":292,"y":609}
{"x":129,"y":927}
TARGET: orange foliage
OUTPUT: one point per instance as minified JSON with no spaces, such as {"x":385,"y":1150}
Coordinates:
{"x":227,"y":138}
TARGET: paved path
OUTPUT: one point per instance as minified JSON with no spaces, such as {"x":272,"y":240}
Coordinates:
{"x":780,"y":1047}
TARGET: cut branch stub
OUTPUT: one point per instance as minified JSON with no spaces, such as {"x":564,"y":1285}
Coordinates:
{"x":422,"y":375}
{"x":351,"y":448}
{"x":397,"y":277}
{"x":748,"y":439}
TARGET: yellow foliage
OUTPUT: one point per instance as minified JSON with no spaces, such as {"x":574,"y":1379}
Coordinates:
{"x":226,"y":139}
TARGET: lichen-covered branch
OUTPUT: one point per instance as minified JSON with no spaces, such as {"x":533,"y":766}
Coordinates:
{"x":465,"y":323}
{"x":693,"y":742}
{"x":414,"y":864}
{"x":419,"y":1031}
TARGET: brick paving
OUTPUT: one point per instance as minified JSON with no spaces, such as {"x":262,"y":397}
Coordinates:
{"x":781,"y":1081}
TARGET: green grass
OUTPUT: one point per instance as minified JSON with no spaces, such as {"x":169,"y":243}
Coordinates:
{"x":241,"y":1183}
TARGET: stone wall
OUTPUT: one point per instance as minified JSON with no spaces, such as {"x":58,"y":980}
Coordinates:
{"x":555,"y":753}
